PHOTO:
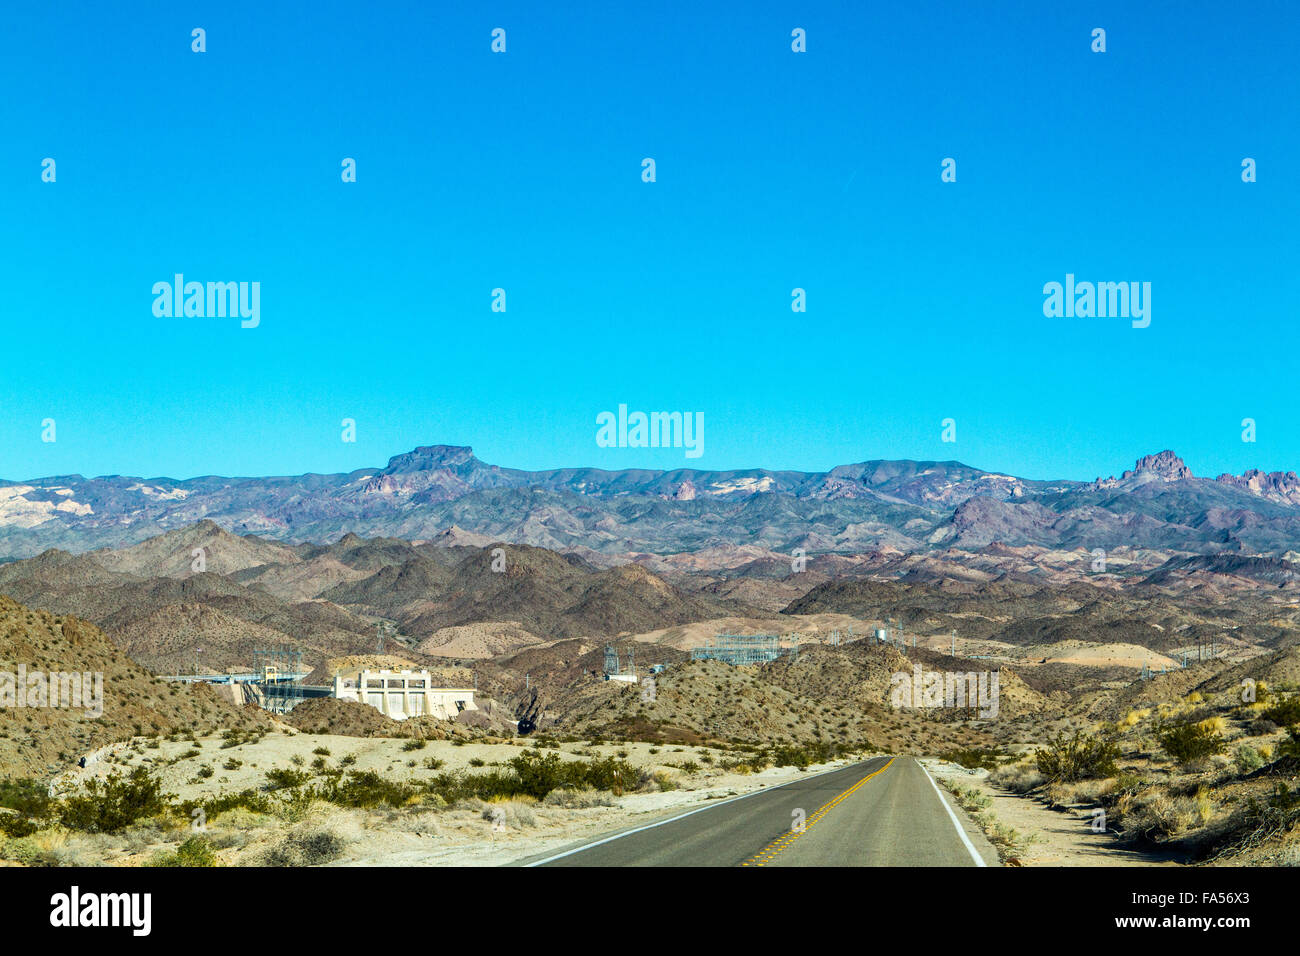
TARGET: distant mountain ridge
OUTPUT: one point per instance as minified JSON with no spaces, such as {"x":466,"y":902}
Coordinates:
{"x":442,"y":490}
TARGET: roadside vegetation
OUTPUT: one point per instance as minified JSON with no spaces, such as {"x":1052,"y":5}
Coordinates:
{"x":1212,"y":777}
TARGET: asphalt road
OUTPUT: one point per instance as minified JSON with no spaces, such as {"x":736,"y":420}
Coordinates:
{"x":882,"y":812}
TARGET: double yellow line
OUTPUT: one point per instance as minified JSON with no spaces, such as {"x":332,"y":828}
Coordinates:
{"x":769,"y":852}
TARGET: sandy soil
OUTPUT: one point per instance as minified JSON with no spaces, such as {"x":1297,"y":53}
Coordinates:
{"x":1061,"y":837}
{"x":458,"y":838}
{"x":424,"y":836}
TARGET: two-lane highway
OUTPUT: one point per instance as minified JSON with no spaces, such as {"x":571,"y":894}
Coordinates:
{"x":882,"y":812}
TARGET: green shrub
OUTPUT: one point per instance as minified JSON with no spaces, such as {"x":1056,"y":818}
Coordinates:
{"x":1081,"y":757}
{"x":976,"y":758}
{"x":365,"y":789}
{"x":196,"y":851}
{"x":251,"y":800}
{"x":1189,"y":743}
{"x":28,"y":797}
{"x":1248,"y":759}
{"x":1285,"y":713}
{"x":111,"y":805}
{"x":281,"y":777}
{"x":31,"y":805}
{"x":1290,"y":748}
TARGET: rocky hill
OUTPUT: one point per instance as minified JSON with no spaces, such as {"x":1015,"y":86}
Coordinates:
{"x":39,"y":741}
{"x":445,"y":494}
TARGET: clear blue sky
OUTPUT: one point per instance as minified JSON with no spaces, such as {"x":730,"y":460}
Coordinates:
{"x":523,"y":171}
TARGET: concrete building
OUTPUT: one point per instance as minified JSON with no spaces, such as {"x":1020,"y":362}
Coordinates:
{"x":403,"y":694}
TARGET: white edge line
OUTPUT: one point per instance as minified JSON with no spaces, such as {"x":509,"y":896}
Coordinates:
{"x":688,"y":813}
{"x":961,"y":831}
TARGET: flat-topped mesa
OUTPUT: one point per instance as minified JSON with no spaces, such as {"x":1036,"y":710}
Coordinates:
{"x":428,"y":457}
{"x":444,"y":466}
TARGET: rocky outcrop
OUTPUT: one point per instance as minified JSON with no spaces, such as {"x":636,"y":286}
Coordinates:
{"x":1280,"y":486}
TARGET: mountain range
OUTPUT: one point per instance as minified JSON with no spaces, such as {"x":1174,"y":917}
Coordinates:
{"x":445,"y":493}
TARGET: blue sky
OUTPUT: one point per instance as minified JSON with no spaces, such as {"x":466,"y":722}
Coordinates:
{"x":522,"y":171}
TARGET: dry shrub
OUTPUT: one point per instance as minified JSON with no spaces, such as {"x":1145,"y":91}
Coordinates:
{"x":579,"y":799}
{"x":1017,"y":777}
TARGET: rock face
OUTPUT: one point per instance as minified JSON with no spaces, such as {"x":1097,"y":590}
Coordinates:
{"x":1280,"y":486}
{"x":850,"y":509}
{"x":686,"y":491}
{"x":1166,"y":466}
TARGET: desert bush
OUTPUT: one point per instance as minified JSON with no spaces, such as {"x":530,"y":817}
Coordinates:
{"x":1213,"y":725}
{"x":976,"y":758}
{"x":365,"y":789}
{"x":196,"y":851}
{"x":1191,"y":743}
{"x":305,"y":845}
{"x":1081,"y":757}
{"x":1009,"y":842}
{"x":1161,"y":815}
{"x":29,"y":852}
{"x":665,"y":781}
{"x":1248,"y":759}
{"x":1285,"y":713}
{"x":25,"y":796}
{"x":1128,"y":783}
{"x":579,"y":799}
{"x":1291,"y":746}
{"x":972,"y":798}
{"x":115,"y":803}
{"x":25,"y":806}
{"x":278,"y":778}
{"x":1018,"y":777}
{"x":250,"y":801}
{"x":539,"y":775}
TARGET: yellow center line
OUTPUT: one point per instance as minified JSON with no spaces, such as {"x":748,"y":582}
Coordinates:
{"x":769,"y":852}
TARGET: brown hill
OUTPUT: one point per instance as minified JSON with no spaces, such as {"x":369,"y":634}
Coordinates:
{"x":395,"y":587}
{"x":708,"y":701}
{"x":173,"y":554}
{"x":169,"y":639}
{"x":546,"y":594}
{"x":42,"y":741}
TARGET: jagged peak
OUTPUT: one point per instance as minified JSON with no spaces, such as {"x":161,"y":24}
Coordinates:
{"x":1165,"y":464}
